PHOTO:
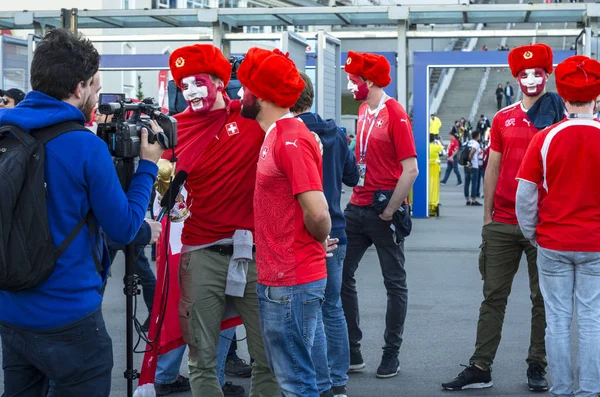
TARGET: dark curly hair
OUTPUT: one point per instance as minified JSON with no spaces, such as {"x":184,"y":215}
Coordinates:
{"x":61,"y":61}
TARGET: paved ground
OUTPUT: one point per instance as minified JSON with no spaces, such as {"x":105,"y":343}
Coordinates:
{"x":444,"y":298}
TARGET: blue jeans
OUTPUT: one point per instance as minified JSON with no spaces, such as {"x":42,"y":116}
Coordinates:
{"x":452,"y":166}
{"x":564,"y":276}
{"x":333,"y":362}
{"x":291,"y":324}
{"x":472,"y":181}
{"x":77,"y":358}
{"x":167,"y":368}
{"x":508,"y":99}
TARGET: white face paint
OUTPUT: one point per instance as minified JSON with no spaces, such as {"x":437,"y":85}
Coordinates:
{"x":194,"y":94}
{"x":531,"y":83}
{"x":240,"y":93}
{"x":351,"y":86}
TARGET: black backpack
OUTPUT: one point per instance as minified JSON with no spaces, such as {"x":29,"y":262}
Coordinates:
{"x":27,"y":256}
{"x":463,"y":154}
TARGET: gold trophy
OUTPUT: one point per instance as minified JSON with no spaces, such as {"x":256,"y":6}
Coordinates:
{"x":166,"y":170}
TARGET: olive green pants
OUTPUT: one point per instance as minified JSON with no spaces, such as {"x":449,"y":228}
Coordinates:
{"x":203,"y":276}
{"x":501,"y":250}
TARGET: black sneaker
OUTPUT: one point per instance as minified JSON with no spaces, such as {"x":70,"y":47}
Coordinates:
{"x":468,"y":202}
{"x":182,"y":384}
{"x":476,"y":204}
{"x":389,"y":365}
{"x":238,"y":367}
{"x":356,"y":361}
{"x":231,"y":390}
{"x":536,"y":379}
{"x":471,"y":378}
{"x":339,"y":391}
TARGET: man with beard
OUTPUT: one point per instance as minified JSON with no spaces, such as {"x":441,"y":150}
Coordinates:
{"x":387,"y":161}
{"x":292,"y":223}
{"x":503,"y":242}
{"x":55,"y":331}
{"x":218,"y":149}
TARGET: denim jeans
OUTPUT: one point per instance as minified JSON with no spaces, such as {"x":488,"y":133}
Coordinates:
{"x":472,"y":181}
{"x":480,"y":181}
{"x":452,"y":166}
{"x":365,"y":228}
{"x":167,"y":368}
{"x":77,"y":358}
{"x":566,"y":277}
{"x":291,"y":324}
{"x":332,"y":363}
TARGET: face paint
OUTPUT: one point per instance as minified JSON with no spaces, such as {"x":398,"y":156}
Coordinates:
{"x":532,"y":81}
{"x":358,"y":87}
{"x":250,"y":105}
{"x":200,"y":92}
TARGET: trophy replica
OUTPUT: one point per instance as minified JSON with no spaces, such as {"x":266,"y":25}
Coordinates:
{"x":166,"y":170}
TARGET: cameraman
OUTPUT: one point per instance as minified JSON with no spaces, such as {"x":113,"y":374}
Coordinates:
{"x":56,"y":331}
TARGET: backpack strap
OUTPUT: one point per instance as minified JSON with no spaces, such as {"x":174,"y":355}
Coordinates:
{"x":47,"y":134}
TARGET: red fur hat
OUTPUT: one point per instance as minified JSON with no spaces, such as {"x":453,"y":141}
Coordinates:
{"x":578,"y":79}
{"x":529,"y":57}
{"x":271,"y":76}
{"x":369,"y":66}
{"x":196,"y":59}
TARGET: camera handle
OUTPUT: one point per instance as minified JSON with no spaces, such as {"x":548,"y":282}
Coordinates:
{"x":130,"y":280}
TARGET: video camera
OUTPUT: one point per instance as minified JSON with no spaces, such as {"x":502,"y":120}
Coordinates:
{"x":122,"y":134}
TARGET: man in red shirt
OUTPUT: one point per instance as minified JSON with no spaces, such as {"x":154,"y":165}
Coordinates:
{"x":218,"y":149}
{"x":386,"y":157}
{"x":503,"y":243}
{"x":452,"y":163}
{"x":564,"y":160}
{"x":292,"y":221}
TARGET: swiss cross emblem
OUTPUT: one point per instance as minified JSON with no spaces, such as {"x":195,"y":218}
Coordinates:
{"x":379,"y":123}
{"x":232,"y":129}
{"x":263,"y":152}
{"x":509,"y":123}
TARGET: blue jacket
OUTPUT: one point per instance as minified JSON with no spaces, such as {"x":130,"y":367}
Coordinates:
{"x":80,"y":176}
{"x":339,"y":165}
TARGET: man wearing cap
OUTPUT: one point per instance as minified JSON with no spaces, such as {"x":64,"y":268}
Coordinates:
{"x":218,"y":149}
{"x":563,"y":160}
{"x":292,"y":222}
{"x":11,"y":98}
{"x":387,"y":161}
{"x":503,"y":243}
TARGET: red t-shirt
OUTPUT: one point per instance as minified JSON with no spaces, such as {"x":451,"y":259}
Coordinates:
{"x":565,"y":159}
{"x":510,"y":136}
{"x":391,"y":141}
{"x":289,"y":163}
{"x":221,"y":182}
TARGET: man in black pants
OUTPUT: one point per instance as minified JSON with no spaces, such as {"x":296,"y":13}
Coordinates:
{"x":386,"y":159}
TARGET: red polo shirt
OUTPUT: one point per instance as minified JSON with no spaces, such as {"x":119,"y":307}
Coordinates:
{"x":564,"y":159}
{"x":510,"y":136}
{"x":390,"y":142}
{"x":289,"y":164}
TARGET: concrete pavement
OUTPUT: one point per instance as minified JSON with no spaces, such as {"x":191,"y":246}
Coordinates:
{"x":444,"y":297}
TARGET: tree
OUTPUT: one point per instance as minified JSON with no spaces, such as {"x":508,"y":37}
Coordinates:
{"x":140,"y":94}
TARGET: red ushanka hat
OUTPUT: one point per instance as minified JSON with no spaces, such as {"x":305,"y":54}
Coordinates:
{"x":271,"y":76}
{"x":578,"y":79}
{"x":369,"y":66}
{"x":199,"y":58}
{"x":529,"y":57}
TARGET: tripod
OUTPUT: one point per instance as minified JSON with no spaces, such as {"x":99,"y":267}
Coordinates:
{"x":125,"y":169}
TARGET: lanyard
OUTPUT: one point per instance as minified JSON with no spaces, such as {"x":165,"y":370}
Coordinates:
{"x":363,"y":148}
